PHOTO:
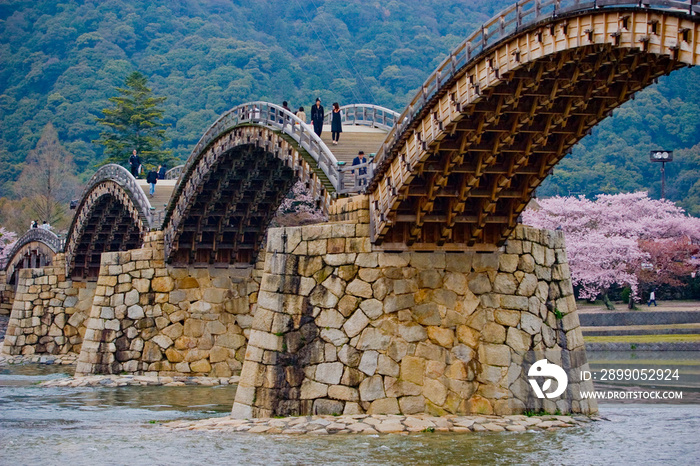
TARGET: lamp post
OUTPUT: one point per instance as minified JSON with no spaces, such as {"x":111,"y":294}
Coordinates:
{"x":662,"y":156}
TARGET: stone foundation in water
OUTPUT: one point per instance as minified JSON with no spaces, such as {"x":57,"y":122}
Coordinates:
{"x":324,"y":324}
{"x":153,"y":319}
{"x":340,"y":329}
{"x":7,"y":295}
{"x":48,"y":312}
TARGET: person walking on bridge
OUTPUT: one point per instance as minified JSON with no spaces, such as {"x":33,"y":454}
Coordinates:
{"x":135,"y":163}
{"x":301,"y":114}
{"x":152,"y":179}
{"x":284,"y":107}
{"x":317,"y":114}
{"x":336,"y":125}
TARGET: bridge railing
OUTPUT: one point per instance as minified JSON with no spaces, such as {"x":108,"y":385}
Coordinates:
{"x":519,"y":16}
{"x":123,"y":177}
{"x":42,"y":235}
{"x":174,"y":173}
{"x":355,"y":178}
{"x":374,"y":116}
{"x":275,"y":117}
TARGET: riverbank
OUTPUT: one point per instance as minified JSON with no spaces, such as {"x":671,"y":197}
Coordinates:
{"x":670,"y":326}
{"x":69,"y":359}
{"x":662,"y":306}
{"x":383,"y":424}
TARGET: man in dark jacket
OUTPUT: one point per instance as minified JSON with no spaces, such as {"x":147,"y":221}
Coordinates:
{"x":152,"y":179}
{"x":361,"y":172}
{"x":135,"y":163}
{"x":317,"y":117}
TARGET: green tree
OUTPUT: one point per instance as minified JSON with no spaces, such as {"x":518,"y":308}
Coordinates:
{"x":134,"y":122}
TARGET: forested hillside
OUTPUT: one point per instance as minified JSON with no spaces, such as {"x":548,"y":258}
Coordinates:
{"x":62,"y":60}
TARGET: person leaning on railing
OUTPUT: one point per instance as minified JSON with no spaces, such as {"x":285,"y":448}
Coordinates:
{"x":362,"y":171}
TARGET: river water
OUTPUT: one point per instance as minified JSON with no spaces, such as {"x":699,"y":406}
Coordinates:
{"x":105,"y":426}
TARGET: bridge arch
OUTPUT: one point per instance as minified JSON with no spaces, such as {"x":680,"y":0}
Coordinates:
{"x":508,"y":104}
{"x":236,"y":177}
{"x":36,"y":248}
{"x":113,"y":215}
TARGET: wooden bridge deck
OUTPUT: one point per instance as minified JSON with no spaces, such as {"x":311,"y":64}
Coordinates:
{"x":354,"y":139}
{"x":159,"y":201}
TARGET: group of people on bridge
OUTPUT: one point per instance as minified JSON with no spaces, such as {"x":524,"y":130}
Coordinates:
{"x":153,"y":175}
{"x":317,"y":117}
{"x":45,"y":225}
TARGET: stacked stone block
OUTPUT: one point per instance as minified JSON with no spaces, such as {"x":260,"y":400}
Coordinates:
{"x":149,"y":318}
{"x":48,"y":312}
{"x":340,"y":329}
{"x":7,"y":295}
{"x":350,"y":209}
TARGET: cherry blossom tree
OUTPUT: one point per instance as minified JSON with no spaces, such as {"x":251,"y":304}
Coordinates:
{"x":298,"y":208}
{"x":7,"y":241}
{"x":603,"y":236}
{"x":669,"y":262}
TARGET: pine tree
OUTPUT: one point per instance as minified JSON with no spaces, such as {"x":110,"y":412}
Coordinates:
{"x":134,"y":122}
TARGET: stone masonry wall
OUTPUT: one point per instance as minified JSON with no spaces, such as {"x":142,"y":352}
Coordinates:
{"x":48,"y":313}
{"x":149,"y":318}
{"x":342,"y":329}
{"x":7,"y":295}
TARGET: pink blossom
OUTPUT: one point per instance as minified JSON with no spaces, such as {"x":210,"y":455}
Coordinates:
{"x":7,"y":241}
{"x":602,"y":236}
{"x":298,"y":208}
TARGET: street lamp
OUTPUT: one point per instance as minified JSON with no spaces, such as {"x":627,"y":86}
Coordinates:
{"x":662,"y":156}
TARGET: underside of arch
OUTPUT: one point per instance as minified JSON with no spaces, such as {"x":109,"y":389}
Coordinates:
{"x":31,"y":255}
{"x":107,"y":221}
{"x":229,"y":192}
{"x":228,"y":215}
{"x":463,"y":174}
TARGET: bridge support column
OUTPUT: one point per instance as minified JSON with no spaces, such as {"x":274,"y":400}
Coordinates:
{"x":153,"y":319}
{"x":48,"y":312}
{"x":7,"y":295}
{"x":341,"y":328}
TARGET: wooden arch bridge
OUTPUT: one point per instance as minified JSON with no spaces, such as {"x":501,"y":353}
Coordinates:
{"x":505,"y":106}
{"x":113,"y":215}
{"x":36,"y":248}
{"x":453,"y":171}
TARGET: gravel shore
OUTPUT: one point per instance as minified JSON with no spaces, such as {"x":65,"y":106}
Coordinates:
{"x":142,"y":380}
{"x":382,"y":424}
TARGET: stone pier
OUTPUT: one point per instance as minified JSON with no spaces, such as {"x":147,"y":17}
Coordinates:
{"x":149,"y":318}
{"x":324,"y":322}
{"x":343,"y":329}
{"x":48,"y":312}
{"x":7,"y":295}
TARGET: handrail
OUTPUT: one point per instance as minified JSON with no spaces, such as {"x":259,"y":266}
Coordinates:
{"x":374,"y":116}
{"x":275,"y":117}
{"x":512,"y":19}
{"x":355,"y":182}
{"x":174,"y":173}
{"x":42,"y":235}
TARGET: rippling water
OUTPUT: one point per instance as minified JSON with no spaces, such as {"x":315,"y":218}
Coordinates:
{"x":95,"y":426}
